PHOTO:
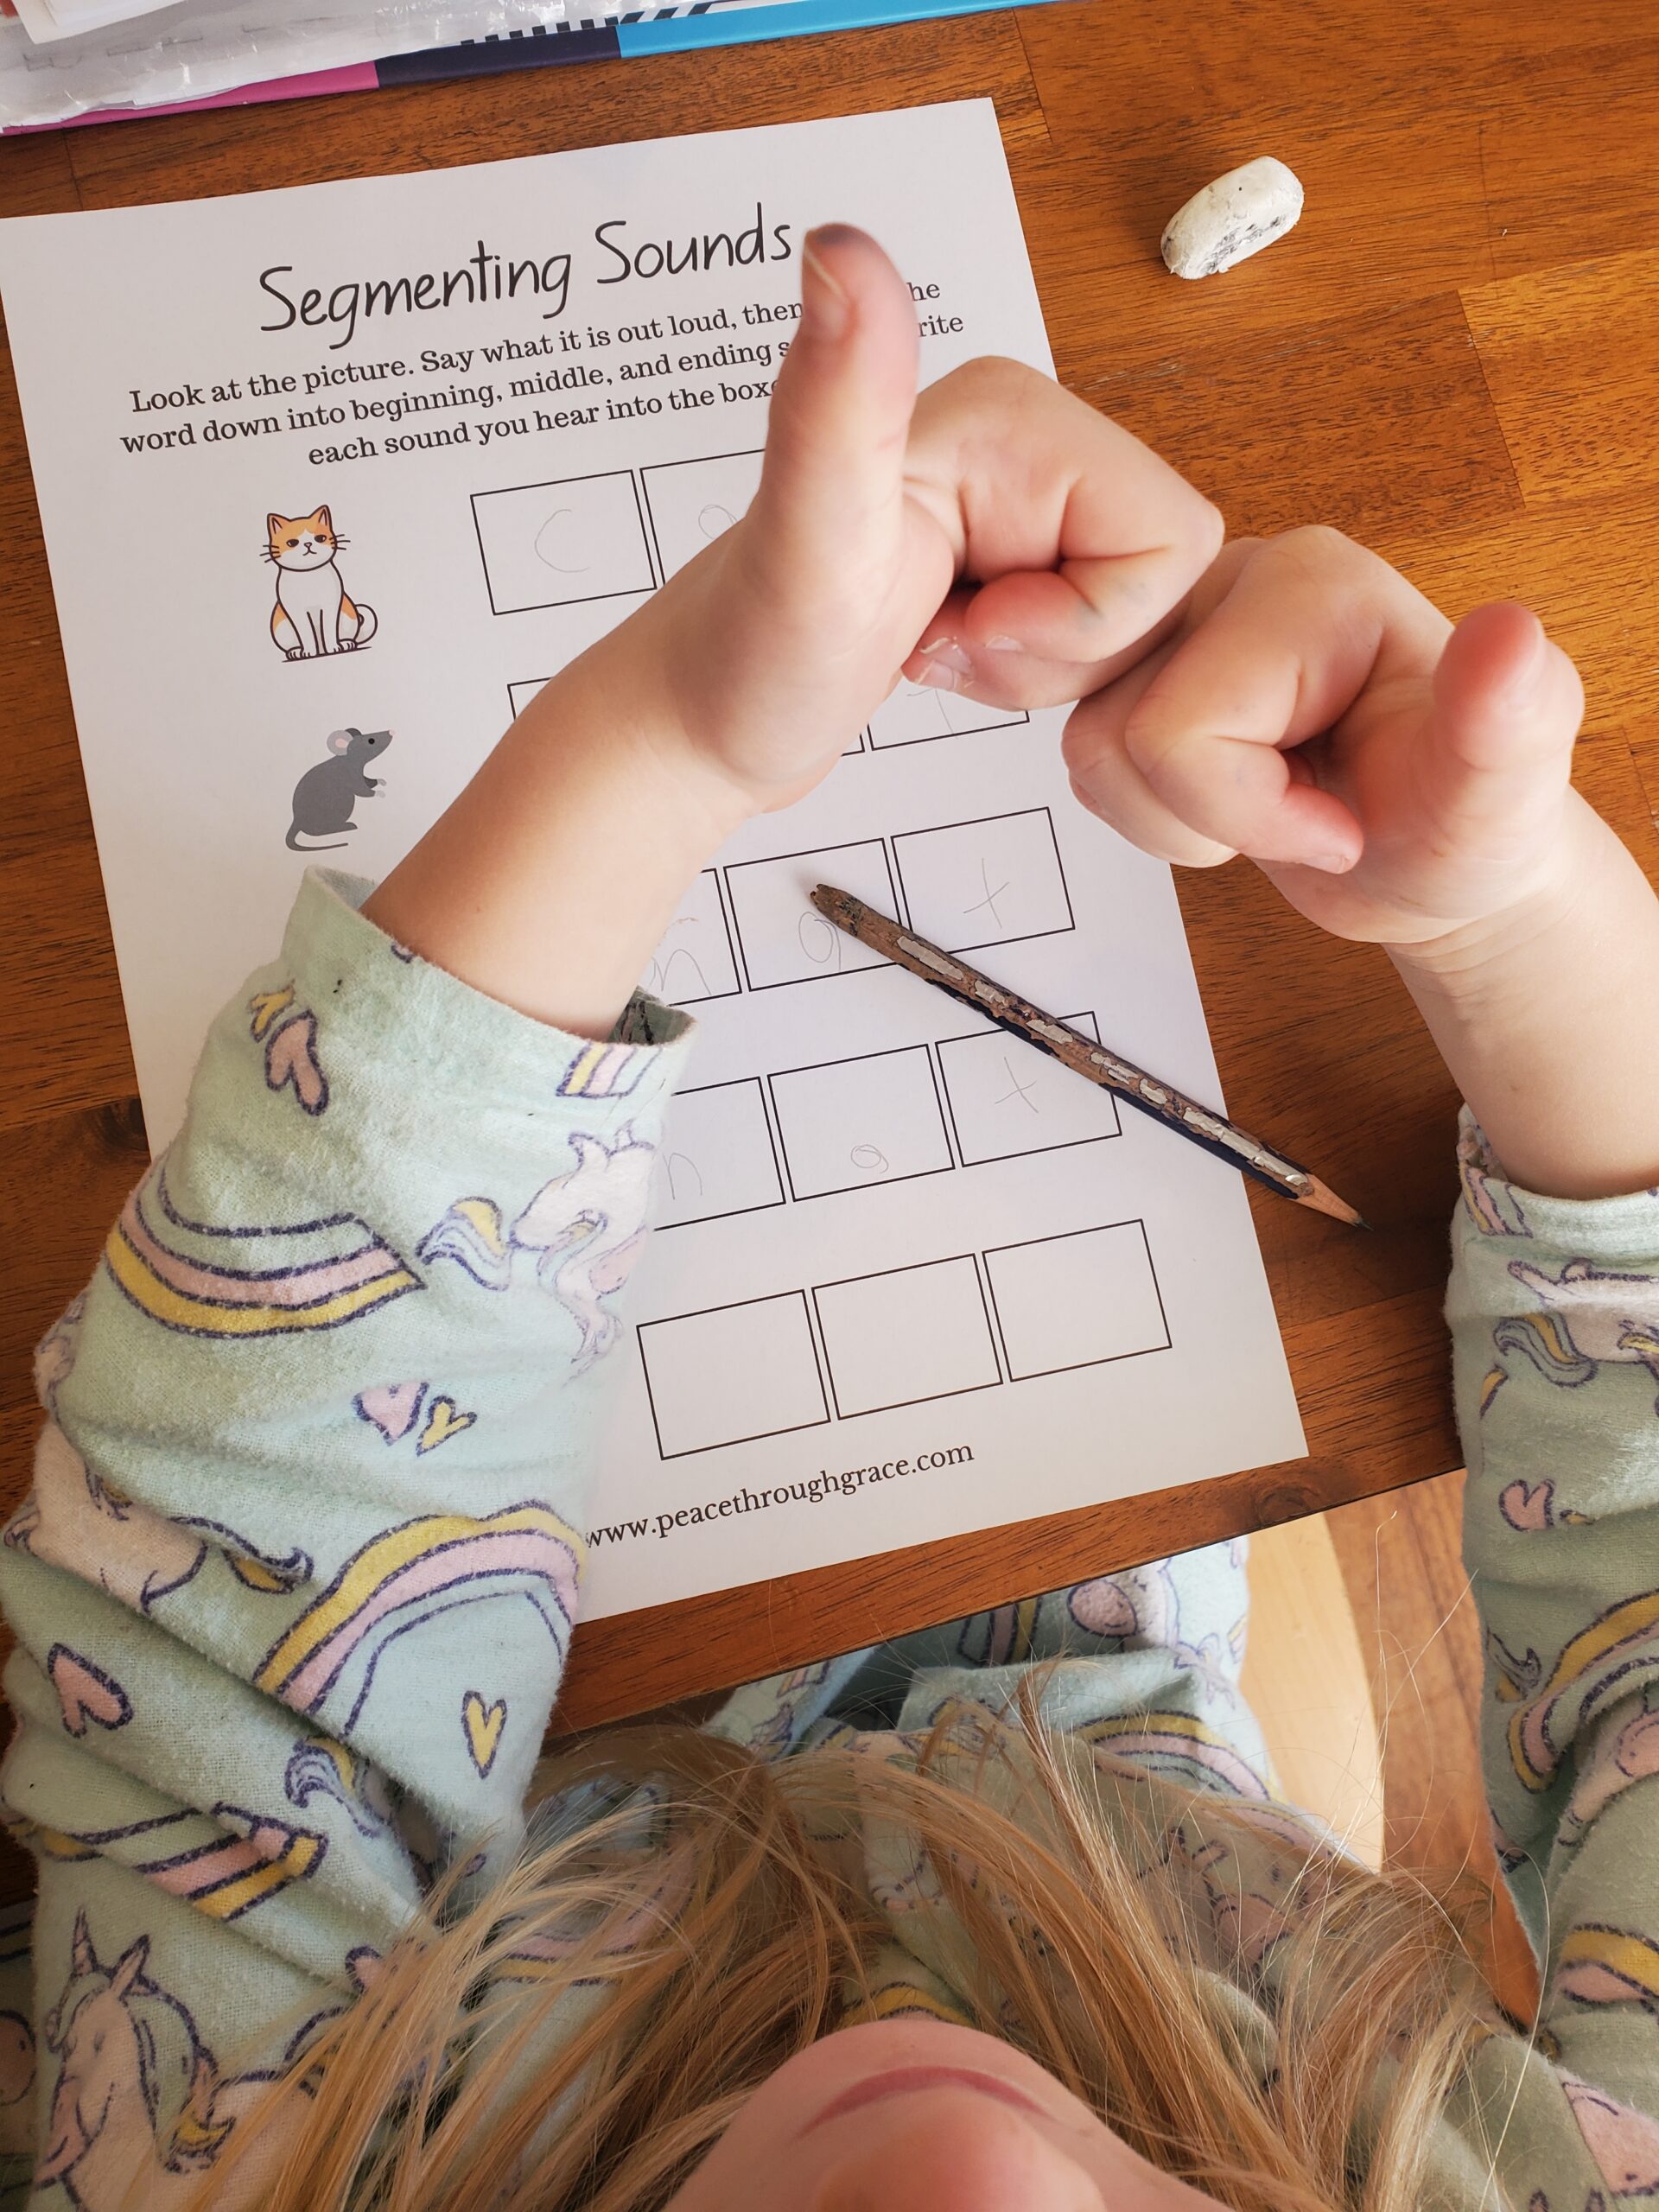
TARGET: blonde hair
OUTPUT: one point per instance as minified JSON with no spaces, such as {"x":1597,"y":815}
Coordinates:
{"x":578,"y":2040}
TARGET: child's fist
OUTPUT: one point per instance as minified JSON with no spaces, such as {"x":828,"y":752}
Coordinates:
{"x":1395,"y":777}
{"x":1034,"y":546}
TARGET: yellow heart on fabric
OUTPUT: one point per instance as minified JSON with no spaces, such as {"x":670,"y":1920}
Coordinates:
{"x":444,"y":1419}
{"x":483,"y":1724}
{"x":265,"y":1006}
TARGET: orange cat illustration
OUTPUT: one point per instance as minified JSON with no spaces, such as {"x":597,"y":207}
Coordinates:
{"x":314,"y":613}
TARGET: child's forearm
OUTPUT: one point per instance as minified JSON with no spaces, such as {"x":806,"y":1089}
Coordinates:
{"x":551,"y":879}
{"x":1547,"y":1017}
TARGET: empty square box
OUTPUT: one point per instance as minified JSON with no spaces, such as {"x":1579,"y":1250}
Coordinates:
{"x":732,"y":1375}
{"x":910,"y":1333}
{"x":1077,"y":1300}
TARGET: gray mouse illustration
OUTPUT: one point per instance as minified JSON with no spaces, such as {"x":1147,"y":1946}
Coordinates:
{"x":325,"y":795}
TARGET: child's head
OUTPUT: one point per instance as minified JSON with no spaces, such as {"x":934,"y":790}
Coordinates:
{"x":697,"y":2004}
{"x":920,"y":2115}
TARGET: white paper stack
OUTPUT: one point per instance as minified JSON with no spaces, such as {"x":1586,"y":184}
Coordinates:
{"x":47,"y":20}
{"x":130,"y":53}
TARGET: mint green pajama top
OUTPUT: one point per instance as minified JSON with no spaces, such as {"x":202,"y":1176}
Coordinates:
{"x":296,"y":1579}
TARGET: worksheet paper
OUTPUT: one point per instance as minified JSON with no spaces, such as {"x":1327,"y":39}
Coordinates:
{"x":910,"y":1278}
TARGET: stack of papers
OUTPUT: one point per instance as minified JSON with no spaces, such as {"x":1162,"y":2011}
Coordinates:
{"x":129,"y":53}
{"x":46,"y":20}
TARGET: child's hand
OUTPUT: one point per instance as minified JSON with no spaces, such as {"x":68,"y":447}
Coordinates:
{"x":1398,"y":780}
{"x":1309,"y":712}
{"x":774,"y":646}
{"x":1406,"y":782}
{"x":996,"y":520}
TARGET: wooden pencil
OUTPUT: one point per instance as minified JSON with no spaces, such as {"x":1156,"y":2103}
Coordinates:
{"x":1082,"y":1055}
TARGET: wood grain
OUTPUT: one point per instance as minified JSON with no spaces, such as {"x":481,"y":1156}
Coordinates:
{"x":1340,"y":414}
{"x":1408,"y":183}
{"x":1567,"y":155}
{"x":1235,"y":80}
{"x":1454,"y":354}
{"x":1571,"y":356}
{"x":1589,"y":566}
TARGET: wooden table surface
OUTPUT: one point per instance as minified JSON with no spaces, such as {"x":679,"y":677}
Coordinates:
{"x":1455,"y":357}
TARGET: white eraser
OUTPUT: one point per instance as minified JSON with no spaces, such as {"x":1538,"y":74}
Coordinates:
{"x":1233,"y":218}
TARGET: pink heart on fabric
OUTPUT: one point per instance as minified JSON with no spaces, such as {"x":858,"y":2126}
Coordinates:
{"x":364,"y":1965}
{"x":391,"y":1406}
{"x":1528,"y":1505}
{"x":85,"y":1692}
{"x":291,"y":1057}
{"x":1104,"y":1608}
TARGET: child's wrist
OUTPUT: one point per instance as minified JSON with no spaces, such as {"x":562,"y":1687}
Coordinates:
{"x":550,"y":879}
{"x":1541,"y":1014}
{"x":1472,"y":960}
{"x":617,"y":701}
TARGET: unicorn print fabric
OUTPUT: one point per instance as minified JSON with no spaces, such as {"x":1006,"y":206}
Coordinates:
{"x":296,"y":1580}
{"x":225,"y":1681}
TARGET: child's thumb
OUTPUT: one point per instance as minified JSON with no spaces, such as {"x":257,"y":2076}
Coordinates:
{"x":840,"y":420}
{"x":1507,"y":709}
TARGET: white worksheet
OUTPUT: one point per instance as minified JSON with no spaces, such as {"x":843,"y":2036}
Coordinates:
{"x":333,"y":479}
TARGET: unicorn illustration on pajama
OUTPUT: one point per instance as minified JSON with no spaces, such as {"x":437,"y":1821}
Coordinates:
{"x":117,"y":2035}
{"x":585,"y":1227}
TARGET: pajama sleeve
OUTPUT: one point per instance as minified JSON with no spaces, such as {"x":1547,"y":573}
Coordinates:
{"x":1554,"y":1309}
{"x":295,"y":1583}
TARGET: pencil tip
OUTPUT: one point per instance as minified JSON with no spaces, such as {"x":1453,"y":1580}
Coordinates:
{"x":1324,"y":1200}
